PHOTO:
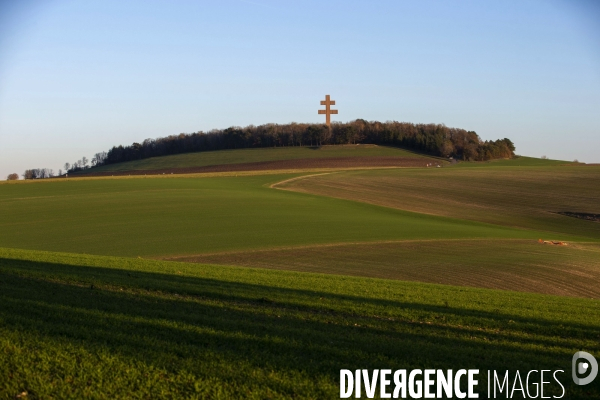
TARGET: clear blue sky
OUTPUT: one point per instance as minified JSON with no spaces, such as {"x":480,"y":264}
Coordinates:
{"x":77,"y":77}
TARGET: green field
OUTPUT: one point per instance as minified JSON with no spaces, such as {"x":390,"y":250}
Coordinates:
{"x":187,"y":216}
{"x":518,"y":161}
{"x":389,"y":268}
{"x":241,"y":156}
{"x":75,"y":326}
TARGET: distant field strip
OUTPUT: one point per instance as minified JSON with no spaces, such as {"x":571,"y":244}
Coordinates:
{"x":263,"y":155}
{"x":527,"y":266}
{"x":78,"y":326}
{"x":306,"y":164}
{"x":294,"y":172}
{"x":526,"y":197}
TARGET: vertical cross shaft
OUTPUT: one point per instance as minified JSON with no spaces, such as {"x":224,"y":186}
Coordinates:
{"x":328,"y":111}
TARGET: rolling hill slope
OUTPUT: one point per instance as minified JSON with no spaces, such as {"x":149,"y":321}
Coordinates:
{"x":342,"y":156}
{"x":120,"y":324}
{"x":485,"y":234}
{"x":160,"y":217}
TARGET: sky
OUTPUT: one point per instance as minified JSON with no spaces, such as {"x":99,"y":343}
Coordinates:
{"x":78,"y":77}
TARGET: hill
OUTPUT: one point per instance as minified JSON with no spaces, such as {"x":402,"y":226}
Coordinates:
{"x":275,"y":158}
{"x":433,"y":139}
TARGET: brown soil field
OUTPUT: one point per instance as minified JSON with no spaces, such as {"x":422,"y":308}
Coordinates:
{"x":306,"y":163}
{"x":518,"y":265}
{"x":524,"y":197}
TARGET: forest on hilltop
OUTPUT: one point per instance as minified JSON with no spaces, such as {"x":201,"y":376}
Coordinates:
{"x":434,"y":139}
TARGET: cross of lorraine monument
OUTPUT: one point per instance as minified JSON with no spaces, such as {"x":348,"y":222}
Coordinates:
{"x":328,"y":111}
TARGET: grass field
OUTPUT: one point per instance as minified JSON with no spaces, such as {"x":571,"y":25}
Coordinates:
{"x":188,"y":216}
{"x":337,"y":251}
{"x":76,"y":326}
{"x":518,"y":161}
{"x":242,"y":156}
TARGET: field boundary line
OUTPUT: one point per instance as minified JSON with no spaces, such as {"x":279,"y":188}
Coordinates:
{"x":338,"y":244}
{"x":330,"y":171}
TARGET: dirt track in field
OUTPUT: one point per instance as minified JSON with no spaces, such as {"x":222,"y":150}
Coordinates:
{"x":306,"y":163}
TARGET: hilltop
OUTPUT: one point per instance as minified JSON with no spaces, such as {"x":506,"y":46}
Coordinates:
{"x":429,"y":140}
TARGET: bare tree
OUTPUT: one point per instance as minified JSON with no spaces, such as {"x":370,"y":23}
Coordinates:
{"x":67,"y":167}
{"x":38,"y":173}
{"x":12,"y":177}
{"x":99,"y":158}
{"x":84,"y":162}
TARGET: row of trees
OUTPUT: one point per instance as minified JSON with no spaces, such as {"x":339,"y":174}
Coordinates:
{"x":38,"y":173}
{"x":79,"y":165}
{"x":434,"y":139}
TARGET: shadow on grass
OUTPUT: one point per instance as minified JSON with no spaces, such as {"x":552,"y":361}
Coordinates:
{"x":175,"y":322}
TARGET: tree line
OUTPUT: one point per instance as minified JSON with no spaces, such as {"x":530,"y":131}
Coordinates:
{"x":79,"y":165}
{"x":434,"y":139}
{"x":38,"y":173}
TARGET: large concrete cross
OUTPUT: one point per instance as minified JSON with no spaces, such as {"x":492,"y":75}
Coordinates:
{"x":328,"y":111}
